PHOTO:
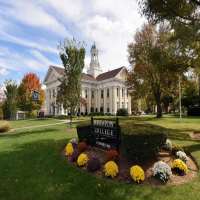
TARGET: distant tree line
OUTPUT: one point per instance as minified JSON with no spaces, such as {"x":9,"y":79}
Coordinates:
{"x":19,"y":97}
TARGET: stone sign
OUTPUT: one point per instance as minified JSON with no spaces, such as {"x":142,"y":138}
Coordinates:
{"x":106,"y":133}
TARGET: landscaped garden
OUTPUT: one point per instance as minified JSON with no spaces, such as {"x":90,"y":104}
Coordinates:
{"x":33,"y":165}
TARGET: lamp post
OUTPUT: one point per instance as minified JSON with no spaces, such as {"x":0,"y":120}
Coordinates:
{"x":180,"y":96}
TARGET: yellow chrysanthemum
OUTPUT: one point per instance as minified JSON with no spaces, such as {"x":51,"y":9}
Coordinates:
{"x":137,"y":173}
{"x":69,"y":150}
{"x":82,"y":159}
{"x":179,"y":164}
{"x":111,"y":169}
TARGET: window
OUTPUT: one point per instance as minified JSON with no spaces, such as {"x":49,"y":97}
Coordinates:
{"x":117,"y":92}
{"x":127,"y":92}
{"x":122,"y":104}
{"x":102,"y":94}
{"x":122,"y":92}
{"x":92,"y":93}
{"x":118,"y":106}
{"x":86,"y":94}
{"x":101,"y":109}
{"x":96,"y":110}
{"x":108,"y":92}
{"x":108,"y":108}
{"x":91,"y":109}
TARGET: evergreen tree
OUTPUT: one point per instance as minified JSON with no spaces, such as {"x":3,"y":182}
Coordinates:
{"x":10,"y":104}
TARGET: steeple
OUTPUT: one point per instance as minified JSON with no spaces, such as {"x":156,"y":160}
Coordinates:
{"x":95,"y":68}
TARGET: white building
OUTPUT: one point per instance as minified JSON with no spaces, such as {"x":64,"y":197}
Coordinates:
{"x":100,"y":92}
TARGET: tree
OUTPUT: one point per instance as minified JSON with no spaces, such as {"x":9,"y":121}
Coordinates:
{"x":10,"y":105}
{"x":72,"y":54}
{"x":30,"y":83}
{"x":184,"y":18}
{"x":151,"y":56}
{"x":182,"y":11}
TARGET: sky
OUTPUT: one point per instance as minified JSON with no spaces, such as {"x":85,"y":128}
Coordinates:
{"x":30,"y":31}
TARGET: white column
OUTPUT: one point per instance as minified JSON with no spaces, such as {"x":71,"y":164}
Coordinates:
{"x":111,"y":99}
{"x":104,"y":100}
{"x":89,"y":100}
{"x":114,"y":100}
{"x":120,"y":97}
{"x":129,"y":104}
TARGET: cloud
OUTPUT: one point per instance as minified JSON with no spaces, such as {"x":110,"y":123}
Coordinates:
{"x":111,"y":23}
{"x":32,"y":60}
{"x":32,"y":14}
{"x":3,"y":71}
{"x":37,"y":25}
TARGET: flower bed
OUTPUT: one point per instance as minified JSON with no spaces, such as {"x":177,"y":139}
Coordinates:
{"x":155,"y":172}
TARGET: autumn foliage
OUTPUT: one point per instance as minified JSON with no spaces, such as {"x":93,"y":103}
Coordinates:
{"x":30,"y":83}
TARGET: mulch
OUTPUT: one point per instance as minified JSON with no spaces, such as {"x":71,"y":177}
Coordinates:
{"x":124,"y":168}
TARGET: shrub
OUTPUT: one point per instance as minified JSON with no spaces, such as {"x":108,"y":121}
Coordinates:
{"x":82,"y":159}
{"x":61,"y":117}
{"x":122,"y":112}
{"x":179,"y":167}
{"x":82,"y":146}
{"x":168,"y":145}
{"x":112,"y":154}
{"x":69,"y":149}
{"x":142,"y":141}
{"x":93,"y":164}
{"x":162,"y":171}
{"x":182,"y":155}
{"x":137,"y":173}
{"x":4,"y":126}
{"x":111,"y":169}
{"x":176,"y":148}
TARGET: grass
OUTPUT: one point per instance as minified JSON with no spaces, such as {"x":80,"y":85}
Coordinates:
{"x":32,"y":122}
{"x":32,"y":167}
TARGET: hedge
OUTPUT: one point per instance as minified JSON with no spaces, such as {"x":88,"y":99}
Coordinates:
{"x":141,"y":142}
{"x":122,"y":112}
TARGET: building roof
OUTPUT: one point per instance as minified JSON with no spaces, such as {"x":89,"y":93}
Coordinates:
{"x":109,"y":74}
{"x":100,"y":77}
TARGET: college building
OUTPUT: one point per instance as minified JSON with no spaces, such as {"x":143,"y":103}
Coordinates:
{"x":100,"y":92}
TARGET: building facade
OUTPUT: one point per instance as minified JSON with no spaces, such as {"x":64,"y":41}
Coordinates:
{"x":100,"y":92}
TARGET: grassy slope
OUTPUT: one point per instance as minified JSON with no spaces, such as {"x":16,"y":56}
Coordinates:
{"x":31,"y":167}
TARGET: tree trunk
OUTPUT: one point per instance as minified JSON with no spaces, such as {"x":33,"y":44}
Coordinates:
{"x":159,"y":110}
{"x":159,"y":106}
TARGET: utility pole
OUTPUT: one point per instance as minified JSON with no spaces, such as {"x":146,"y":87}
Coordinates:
{"x":180,"y":96}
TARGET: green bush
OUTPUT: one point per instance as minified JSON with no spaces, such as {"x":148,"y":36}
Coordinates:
{"x":140,"y":141}
{"x":4,"y":126}
{"x":62,"y":117}
{"x":122,"y":112}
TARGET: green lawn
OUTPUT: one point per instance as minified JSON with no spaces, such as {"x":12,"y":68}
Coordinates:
{"x":32,"y":122}
{"x":32,"y":167}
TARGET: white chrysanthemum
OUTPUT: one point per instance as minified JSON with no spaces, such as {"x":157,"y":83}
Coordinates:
{"x":181,"y":155}
{"x":162,"y":171}
{"x":168,"y":145}
{"x":74,"y":141}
